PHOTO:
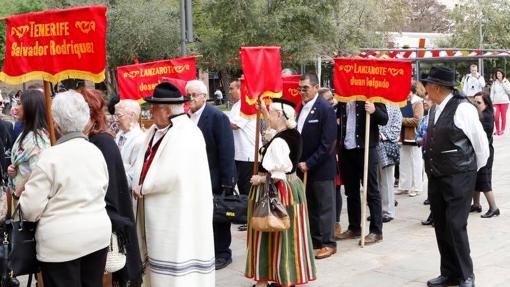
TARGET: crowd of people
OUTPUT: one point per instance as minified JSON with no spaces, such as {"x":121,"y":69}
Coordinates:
{"x":153,"y":189}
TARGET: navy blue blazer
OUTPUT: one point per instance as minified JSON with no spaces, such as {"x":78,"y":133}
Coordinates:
{"x":219,"y":141}
{"x":319,"y":141}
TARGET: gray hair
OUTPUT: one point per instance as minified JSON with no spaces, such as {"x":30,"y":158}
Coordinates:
{"x":198,"y":85}
{"x":177,"y":109}
{"x":129,"y":106}
{"x":70,"y":112}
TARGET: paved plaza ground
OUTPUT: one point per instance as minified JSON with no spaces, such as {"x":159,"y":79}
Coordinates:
{"x":408,"y":256}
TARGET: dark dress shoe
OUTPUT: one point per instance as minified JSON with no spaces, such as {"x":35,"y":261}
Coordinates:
{"x":372,"y":238}
{"x":222,"y":263}
{"x":349,"y":234}
{"x":426,"y":202}
{"x":243,"y":227}
{"x":386,"y":218}
{"x":476,"y":208}
{"x":491,"y":213}
{"x":441,"y":281}
{"x":469,"y":282}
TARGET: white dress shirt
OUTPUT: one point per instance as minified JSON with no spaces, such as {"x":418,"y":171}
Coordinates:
{"x":244,"y":136}
{"x":195,"y":117}
{"x":130,"y":144}
{"x":159,"y":134}
{"x":467,"y":119}
{"x":307,"y":107}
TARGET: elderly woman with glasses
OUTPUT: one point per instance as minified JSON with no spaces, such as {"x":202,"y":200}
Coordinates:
{"x":130,"y":137}
{"x":66,"y":195}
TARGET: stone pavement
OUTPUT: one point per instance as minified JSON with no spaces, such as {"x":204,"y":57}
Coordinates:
{"x":408,"y":256}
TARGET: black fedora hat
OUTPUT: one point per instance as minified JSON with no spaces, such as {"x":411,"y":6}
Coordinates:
{"x":166,"y":93}
{"x":441,"y":76}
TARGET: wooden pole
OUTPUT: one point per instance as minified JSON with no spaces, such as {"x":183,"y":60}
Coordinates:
{"x":305,"y":179}
{"x":49,"y":118}
{"x":257,"y":140}
{"x":365,"y":181}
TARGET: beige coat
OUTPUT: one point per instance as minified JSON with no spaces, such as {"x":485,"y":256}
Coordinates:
{"x":410,"y":125}
{"x":65,"y":193}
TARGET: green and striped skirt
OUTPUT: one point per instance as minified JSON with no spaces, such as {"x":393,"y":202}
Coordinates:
{"x":286,"y":257}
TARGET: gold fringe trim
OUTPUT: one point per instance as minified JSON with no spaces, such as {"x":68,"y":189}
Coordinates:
{"x":363,"y":98}
{"x":45,"y":76}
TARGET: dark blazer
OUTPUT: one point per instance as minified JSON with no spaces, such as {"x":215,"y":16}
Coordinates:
{"x":379,"y":117}
{"x":219,"y":141}
{"x":120,"y":209}
{"x":319,"y":141}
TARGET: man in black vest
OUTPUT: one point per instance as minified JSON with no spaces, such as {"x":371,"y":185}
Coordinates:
{"x":457,"y":148}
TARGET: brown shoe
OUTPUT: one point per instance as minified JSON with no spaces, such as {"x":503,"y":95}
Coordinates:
{"x":372,"y":238}
{"x":338,"y":230}
{"x":349,"y":234}
{"x":325,"y":252}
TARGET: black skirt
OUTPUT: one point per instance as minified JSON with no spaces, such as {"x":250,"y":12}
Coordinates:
{"x":484,"y":175}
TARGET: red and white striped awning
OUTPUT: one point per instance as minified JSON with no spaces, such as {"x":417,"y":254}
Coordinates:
{"x":432,"y":54}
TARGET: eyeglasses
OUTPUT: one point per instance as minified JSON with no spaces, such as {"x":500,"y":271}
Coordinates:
{"x":195,"y":95}
{"x":118,"y":116}
{"x":303,"y":88}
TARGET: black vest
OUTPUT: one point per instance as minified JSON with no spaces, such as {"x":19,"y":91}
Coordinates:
{"x":293,"y":138}
{"x":449,"y":150}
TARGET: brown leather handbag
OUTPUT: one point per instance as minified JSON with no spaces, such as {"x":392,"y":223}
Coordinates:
{"x":269,"y":214}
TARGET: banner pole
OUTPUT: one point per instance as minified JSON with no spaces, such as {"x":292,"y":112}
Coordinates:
{"x":49,"y":118}
{"x":257,"y":140}
{"x":365,"y":181}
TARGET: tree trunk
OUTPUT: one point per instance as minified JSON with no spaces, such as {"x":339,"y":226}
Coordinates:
{"x":225,"y":79}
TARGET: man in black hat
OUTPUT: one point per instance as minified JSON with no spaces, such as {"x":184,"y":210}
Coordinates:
{"x":457,"y":148}
{"x":177,"y":207}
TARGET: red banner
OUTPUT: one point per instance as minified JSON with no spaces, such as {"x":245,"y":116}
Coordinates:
{"x":247,"y":109}
{"x":374,"y":80}
{"x":139,"y":80}
{"x":55,"y":45}
{"x":290,"y":90}
{"x":262,"y":75}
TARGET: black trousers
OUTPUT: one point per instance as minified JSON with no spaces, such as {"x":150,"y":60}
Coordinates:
{"x":351,"y":169}
{"x":338,"y":197}
{"x":86,"y":271}
{"x":450,"y":201}
{"x":320,"y":197}
{"x":222,"y":240}
{"x":244,"y":172}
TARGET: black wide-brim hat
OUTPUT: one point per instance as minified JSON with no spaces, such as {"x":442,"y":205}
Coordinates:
{"x":441,"y":76}
{"x":284,"y":101}
{"x":166,"y":93}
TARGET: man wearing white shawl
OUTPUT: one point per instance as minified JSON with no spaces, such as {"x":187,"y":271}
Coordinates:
{"x":175,"y":204}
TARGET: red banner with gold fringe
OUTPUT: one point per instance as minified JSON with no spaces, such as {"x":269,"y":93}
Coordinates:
{"x":373,"y":80}
{"x":139,"y":80}
{"x":55,"y":45}
{"x":262,"y":76}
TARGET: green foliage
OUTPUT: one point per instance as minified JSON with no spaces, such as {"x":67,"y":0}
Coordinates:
{"x":10,"y":7}
{"x":492,"y":15}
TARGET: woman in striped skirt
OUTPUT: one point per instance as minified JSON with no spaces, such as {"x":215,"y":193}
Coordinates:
{"x":281,"y":258}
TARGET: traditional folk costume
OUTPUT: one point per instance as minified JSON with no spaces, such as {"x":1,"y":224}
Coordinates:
{"x":175,"y":214}
{"x":283,"y":257}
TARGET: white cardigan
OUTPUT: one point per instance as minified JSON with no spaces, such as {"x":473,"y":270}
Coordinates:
{"x":65,"y":193}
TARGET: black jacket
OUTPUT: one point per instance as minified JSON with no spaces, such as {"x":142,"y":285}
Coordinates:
{"x":119,"y":207}
{"x":379,"y":117}
{"x":319,"y":141}
{"x":219,"y":141}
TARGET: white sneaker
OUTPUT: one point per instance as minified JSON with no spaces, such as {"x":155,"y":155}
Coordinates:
{"x":413,"y":193}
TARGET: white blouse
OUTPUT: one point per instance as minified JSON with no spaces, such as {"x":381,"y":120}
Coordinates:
{"x":276,"y":160}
